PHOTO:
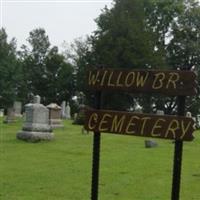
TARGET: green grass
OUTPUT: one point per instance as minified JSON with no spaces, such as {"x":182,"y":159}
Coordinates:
{"x":61,"y":169}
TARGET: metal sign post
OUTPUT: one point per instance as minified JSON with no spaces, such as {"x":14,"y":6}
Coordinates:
{"x":96,"y":155}
{"x":178,"y":155}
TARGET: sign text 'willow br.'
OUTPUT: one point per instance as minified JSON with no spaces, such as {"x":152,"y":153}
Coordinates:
{"x":165,"y":82}
{"x":129,"y":123}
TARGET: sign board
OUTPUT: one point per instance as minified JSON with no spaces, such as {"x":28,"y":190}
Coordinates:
{"x":173,"y":83}
{"x":129,"y":123}
{"x":179,"y":128}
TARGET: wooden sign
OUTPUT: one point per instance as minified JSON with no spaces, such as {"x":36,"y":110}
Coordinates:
{"x":164,"y":82}
{"x":129,"y":123}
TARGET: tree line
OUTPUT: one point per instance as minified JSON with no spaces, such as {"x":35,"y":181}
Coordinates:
{"x":38,"y":69}
{"x":132,"y":34}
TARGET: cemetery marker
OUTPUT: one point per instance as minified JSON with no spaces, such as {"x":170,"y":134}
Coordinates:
{"x":136,"y":124}
{"x":152,"y":81}
{"x":178,"y":128}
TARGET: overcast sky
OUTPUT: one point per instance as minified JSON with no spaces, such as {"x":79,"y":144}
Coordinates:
{"x":62,"y":19}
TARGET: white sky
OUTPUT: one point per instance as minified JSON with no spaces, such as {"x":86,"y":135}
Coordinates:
{"x":62,"y":19}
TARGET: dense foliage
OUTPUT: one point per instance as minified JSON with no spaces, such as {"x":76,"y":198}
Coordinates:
{"x":39,"y":69}
{"x":9,"y":70}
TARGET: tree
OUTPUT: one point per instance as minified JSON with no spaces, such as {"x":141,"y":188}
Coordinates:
{"x":124,"y":39}
{"x":40,"y":44}
{"x":110,"y":46}
{"x":45,"y":70}
{"x":34,"y":61}
{"x":9,"y":70}
{"x":77,"y":55}
{"x":184,"y":48}
{"x":59,"y":79}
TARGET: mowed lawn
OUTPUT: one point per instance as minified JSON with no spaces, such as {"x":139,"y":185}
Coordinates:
{"x":61,"y":169}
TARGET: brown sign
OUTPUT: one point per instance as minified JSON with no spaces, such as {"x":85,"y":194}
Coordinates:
{"x":129,"y":123}
{"x":165,"y":82}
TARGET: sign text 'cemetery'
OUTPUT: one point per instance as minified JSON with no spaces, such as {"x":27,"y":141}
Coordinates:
{"x":129,"y":123}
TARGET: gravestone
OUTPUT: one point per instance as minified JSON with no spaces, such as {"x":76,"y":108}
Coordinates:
{"x":63,"y":107}
{"x":80,"y":116}
{"x":138,"y":109}
{"x":150,"y":144}
{"x":17,"y":106}
{"x":54,"y":115}
{"x":68,"y":111}
{"x":188,"y":114}
{"x":75,"y":116}
{"x":10,"y":117}
{"x":1,"y":112}
{"x":198,"y":121}
{"x":36,"y":126}
{"x":160,"y":112}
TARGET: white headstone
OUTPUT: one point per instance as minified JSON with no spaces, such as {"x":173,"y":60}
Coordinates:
{"x":160,"y":112}
{"x":75,"y":116}
{"x":37,"y":99}
{"x":198,"y":121}
{"x":138,"y":108}
{"x":17,"y":106}
{"x":68,"y":111}
{"x":10,"y":116}
{"x":36,"y":126}
{"x":150,"y":143}
{"x":1,"y":112}
{"x":63,"y":106}
{"x":188,"y":114}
